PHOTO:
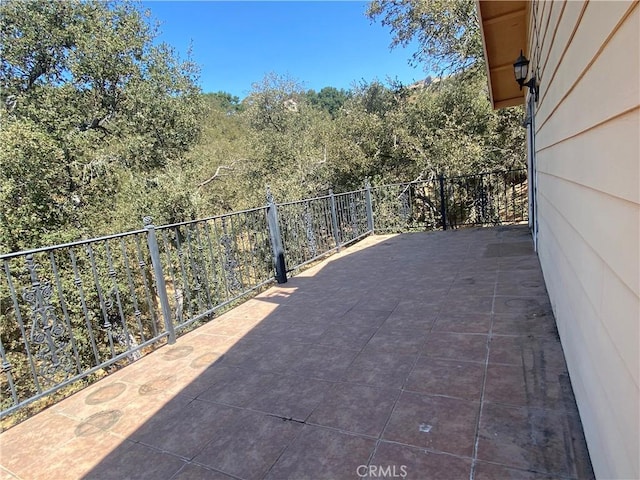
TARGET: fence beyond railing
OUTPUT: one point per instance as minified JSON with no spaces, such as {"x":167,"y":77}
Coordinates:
{"x":73,"y":311}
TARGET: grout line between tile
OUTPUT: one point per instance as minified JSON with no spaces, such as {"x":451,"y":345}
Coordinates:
{"x":406,"y":379}
{"x":476,"y":442}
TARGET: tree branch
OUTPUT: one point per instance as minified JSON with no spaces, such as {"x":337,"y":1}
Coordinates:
{"x":97,"y":123}
{"x":218,"y":173}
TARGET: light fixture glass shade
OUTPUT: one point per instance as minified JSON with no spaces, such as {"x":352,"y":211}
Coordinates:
{"x":521,"y":68}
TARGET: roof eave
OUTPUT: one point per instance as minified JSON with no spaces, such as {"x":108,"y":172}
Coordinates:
{"x":503,"y":28}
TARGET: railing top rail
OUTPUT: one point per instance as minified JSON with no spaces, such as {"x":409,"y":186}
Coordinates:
{"x":321,"y":197}
{"x":7,"y":256}
{"x":293,"y":202}
{"x":403,"y":184}
{"x":350,"y":192}
{"x":213,"y":217}
{"x":493,"y":172}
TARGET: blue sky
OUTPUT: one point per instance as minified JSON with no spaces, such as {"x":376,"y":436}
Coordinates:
{"x":330,"y":43}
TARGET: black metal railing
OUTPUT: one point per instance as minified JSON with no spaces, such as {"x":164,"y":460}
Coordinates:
{"x":490,"y":198}
{"x":73,"y":310}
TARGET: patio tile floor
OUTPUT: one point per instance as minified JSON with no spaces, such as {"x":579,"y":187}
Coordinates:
{"x":417,"y":356}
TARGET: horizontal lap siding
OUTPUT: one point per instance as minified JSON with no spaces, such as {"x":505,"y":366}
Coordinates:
{"x":606,"y":393}
{"x":549,"y":37}
{"x":588,"y":155}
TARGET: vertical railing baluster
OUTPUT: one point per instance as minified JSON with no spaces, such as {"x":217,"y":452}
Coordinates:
{"x":369,"y":206}
{"x":229,"y":246}
{"x":113,"y":274}
{"x":214,"y":264}
{"x":202,"y":270}
{"x":344,"y":216}
{"x":178,"y":296}
{"x":195,"y":270}
{"x":65,"y":312}
{"x":161,"y":287}
{"x":483,"y":201}
{"x":77,"y":281}
{"x":276,"y":239}
{"x":238,"y":244}
{"x":23,"y":330}
{"x":220,"y":234}
{"x":339,"y":229}
{"x":266,"y":241}
{"x":142,"y":265}
{"x":6,"y":369}
{"x":137,"y":314}
{"x":443,"y":205}
{"x":190,"y":266}
{"x":250,"y":250}
{"x":296,"y":254}
{"x":513,"y":198}
{"x":312,"y":244}
{"x":326,"y":224}
{"x":496,"y":190}
{"x":250,"y":246}
{"x":186,"y":287}
{"x":506,"y":198}
{"x":508,"y":207}
{"x":353,"y":216}
{"x":103,"y":306}
{"x":495,"y":200}
{"x":258,"y":238}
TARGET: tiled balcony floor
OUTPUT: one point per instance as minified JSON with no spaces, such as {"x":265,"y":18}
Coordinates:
{"x":418,"y":356}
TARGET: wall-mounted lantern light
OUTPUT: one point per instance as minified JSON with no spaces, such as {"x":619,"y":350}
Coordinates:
{"x":521,"y":69}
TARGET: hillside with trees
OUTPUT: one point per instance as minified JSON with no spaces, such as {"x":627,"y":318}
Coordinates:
{"x":301,"y":144}
{"x":101,"y":126}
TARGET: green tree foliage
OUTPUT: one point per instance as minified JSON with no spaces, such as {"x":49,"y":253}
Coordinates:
{"x":389,"y":133}
{"x":329,"y":99}
{"x":288,"y":139}
{"x":447,"y":31}
{"x":367,"y":130}
{"x":29,"y":206}
{"x":224,"y":101}
{"x":92,"y":108}
{"x":450,"y":128}
{"x":219,"y":159}
{"x":394,"y":134}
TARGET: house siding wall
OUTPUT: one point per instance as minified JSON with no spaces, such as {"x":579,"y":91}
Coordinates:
{"x":586,"y":56}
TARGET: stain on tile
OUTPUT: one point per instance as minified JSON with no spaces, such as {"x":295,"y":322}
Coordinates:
{"x":105,"y":394}
{"x":99,"y":422}
{"x":174,"y":353}
{"x":157,"y":385}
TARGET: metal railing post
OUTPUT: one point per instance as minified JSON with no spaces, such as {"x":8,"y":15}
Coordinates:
{"x":367,"y":196}
{"x":443,"y":205}
{"x":158,"y":274}
{"x":483,"y":199}
{"x":276,"y":239}
{"x":334,"y":219}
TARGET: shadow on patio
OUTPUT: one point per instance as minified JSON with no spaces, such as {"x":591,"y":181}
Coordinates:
{"x":429,"y":355}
